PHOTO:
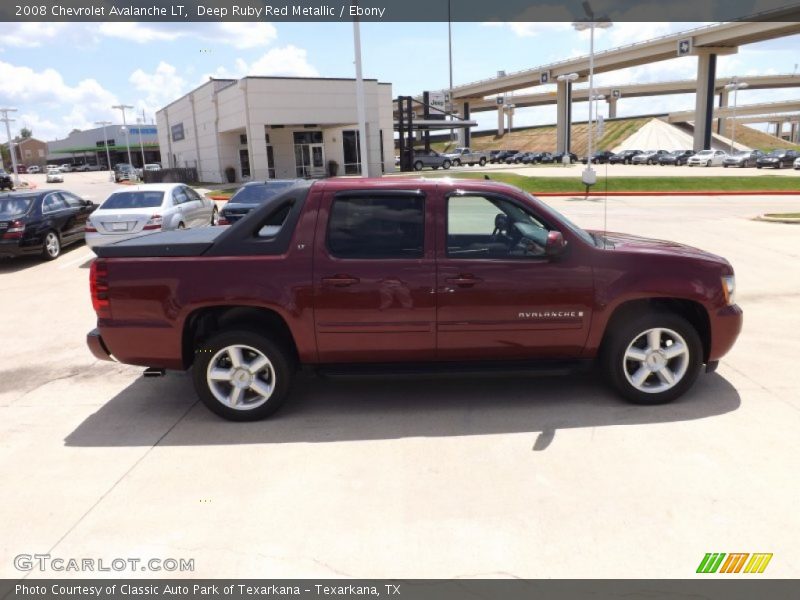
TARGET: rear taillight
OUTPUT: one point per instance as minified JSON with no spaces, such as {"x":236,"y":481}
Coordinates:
{"x":15,"y":230}
{"x":154,"y":223}
{"x":89,"y":228}
{"x":98,"y":284}
{"x":223,"y":221}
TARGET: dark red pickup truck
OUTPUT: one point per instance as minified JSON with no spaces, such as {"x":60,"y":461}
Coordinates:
{"x":408,"y":274}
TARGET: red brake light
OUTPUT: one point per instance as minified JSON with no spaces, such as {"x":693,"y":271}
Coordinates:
{"x":89,"y":228}
{"x":223,"y":221}
{"x":153,"y":223}
{"x":15,"y":230}
{"x":98,"y":284}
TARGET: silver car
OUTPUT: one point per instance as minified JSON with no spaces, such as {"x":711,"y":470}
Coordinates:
{"x":430,"y":158}
{"x":148,"y":208}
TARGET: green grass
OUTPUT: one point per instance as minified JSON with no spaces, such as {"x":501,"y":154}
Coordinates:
{"x":640,"y":184}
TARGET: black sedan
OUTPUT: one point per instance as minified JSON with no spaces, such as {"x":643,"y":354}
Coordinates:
{"x":676,"y":157}
{"x":599,"y":158}
{"x":41,"y":222}
{"x":742,"y":158}
{"x":5,"y":181}
{"x":559,"y":158}
{"x":623,"y":158}
{"x":777,"y":159}
{"x":251,"y":195}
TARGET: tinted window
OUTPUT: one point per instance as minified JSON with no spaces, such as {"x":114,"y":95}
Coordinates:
{"x":53,"y":202}
{"x":10,"y":206}
{"x":257,"y":194}
{"x":72,"y":201}
{"x":122,"y":200}
{"x":179,"y":196}
{"x":274,"y":223}
{"x":377,"y":227}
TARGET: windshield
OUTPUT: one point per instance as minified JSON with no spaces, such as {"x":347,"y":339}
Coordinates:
{"x":704,"y":152}
{"x":122,"y":200}
{"x":584,"y":235}
{"x":14,"y":205}
{"x":257,"y":194}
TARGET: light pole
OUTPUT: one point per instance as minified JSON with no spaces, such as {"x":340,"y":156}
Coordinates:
{"x":105,"y":141}
{"x":11,"y":150}
{"x":140,"y":122}
{"x":122,"y":107}
{"x":363,"y":149}
{"x":588,"y":176}
{"x":569,"y":78}
{"x":735,"y":85}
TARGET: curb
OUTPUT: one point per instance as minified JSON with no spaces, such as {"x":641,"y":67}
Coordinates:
{"x":682,"y":193}
{"x":786,"y":220}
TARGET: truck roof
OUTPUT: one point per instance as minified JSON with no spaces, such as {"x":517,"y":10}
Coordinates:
{"x":409,"y":183}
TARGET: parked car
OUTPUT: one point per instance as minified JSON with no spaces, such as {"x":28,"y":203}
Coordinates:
{"x":81,"y":168}
{"x":559,"y":158}
{"x":528,"y":158}
{"x":22,"y":169}
{"x":542,"y":158}
{"x":124,"y":172}
{"x":623,"y":157}
{"x":250,"y":196}
{"x":599,"y":158}
{"x":797,"y":163}
{"x":6,"y":181}
{"x":501,"y":156}
{"x":152,"y":167}
{"x":34,"y":169}
{"x":54,"y":175}
{"x":149,"y":208}
{"x":742,"y":158}
{"x":430,"y":158}
{"x":676,"y":158}
{"x":707,"y":158}
{"x":493,"y":155}
{"x":515,"y":158}
{"x":648,"y":157}
{"x":467,"y":156}
{"x":65,"y":168}
{"x":41,"y":222}
{"x":777,"y":159}
{"x":349,"y":273}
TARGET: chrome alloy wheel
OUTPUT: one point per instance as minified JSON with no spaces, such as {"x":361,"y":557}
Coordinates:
{"x":656,"y":360}
{"x":52,"y":244}
{"x":241,"y":377}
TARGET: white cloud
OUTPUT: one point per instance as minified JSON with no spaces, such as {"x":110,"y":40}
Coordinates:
{"x":526,"y":29}
{"x":141,"y":33}
{"x":246,"y":35}
{"x":239,"y":35}
{"x":23,"y":87}
{"x":289,"y":61}
{"x":160,"y":87}
{"x":30,"y":35}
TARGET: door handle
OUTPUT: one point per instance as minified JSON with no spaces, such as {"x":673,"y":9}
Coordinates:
{"x":340,"y":280}
{"x":464,"y":280}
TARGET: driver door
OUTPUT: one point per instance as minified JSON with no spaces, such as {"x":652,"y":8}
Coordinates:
{"x":498,"y":295}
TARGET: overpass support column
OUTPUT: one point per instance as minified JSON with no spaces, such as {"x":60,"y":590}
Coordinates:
{"x":464,"y":132}
{"x":704,"y":100}
{"x":795,"y":132}
{"x":563,"y":115}
{"x":722,"y":124}
{"x":501,"y":120}
{"x":612,"y":107}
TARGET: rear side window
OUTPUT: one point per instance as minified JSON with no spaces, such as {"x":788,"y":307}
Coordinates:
{"x":377,"y":227}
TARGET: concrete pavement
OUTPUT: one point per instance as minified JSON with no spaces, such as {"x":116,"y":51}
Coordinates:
{"x":488,"y":477}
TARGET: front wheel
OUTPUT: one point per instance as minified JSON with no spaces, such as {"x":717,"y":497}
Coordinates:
{"x":418,"y":165}
{"x":708,"y":164}
{"x":446,"y":165}
{"x":456,"y":163}
{"x":241,"y":375}
{"x":482,"y":162}
{"x":653,"y":359}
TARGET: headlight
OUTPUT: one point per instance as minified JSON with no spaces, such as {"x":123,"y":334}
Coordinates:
{"x":729,"y":289}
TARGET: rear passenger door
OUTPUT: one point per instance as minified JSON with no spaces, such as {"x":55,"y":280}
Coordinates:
{"x":374,"y":277}
{"x":57,"y":216}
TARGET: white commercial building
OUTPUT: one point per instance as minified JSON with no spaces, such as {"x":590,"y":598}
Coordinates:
{"x":276,"y":127}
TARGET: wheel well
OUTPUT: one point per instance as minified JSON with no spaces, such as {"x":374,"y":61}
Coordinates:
{"x":205,"y":322}
{"x":688,"y":309}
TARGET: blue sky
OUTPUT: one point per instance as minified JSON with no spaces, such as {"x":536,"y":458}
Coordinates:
{"x":67,"y":75}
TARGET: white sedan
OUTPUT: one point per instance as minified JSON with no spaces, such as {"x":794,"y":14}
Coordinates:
{"x":797,"y":163}
{"x":707,"y":158}
{"x":148,"y":208}
{"x":54,"y":175}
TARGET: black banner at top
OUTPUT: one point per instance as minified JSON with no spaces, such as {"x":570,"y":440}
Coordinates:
{"x":401,"y":10}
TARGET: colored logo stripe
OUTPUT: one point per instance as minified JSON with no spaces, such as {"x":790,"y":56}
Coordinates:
{"x":734,"y":563}
{"x":758,"y":563}
{"x":710,"y":562}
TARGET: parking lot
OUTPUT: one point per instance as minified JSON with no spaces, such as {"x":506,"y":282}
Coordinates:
{"x":434,"y":477}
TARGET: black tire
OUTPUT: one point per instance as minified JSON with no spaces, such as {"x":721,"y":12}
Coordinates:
{"x":51,"y":252}
{"x":446,"y":165}
{"x":758,"y":166}
{"x":282,"y":373}
{"x":708,"y":164}
{"x":214,"y":217}
{"x":482,"y":162}
{"x":181,"y":225}
{"x":724,"y":165}
{"x":456,"y":163}
{"x":418,"y":165}
{"x":779,"y":165}
{"x":617,"y":369}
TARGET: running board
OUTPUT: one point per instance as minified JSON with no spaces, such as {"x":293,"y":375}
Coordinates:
{"x":543,"y":368}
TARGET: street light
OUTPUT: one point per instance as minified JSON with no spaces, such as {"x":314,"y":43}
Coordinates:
{"x":735,"y":85}
{"x":569,"y":78}
{"x":105,"y":141}
{"x":11,"y":151}
{"x":141,"y":122}
{"x":122,"y":107}
{"x":590,"y":23}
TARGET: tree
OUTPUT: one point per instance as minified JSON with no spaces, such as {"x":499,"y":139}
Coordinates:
{"x":76,"y":130}
{"x":24,"y":134}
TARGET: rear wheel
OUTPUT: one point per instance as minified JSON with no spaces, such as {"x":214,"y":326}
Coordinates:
{"x":215,"y":217}
{"x":51,"y":247}
{"x":482,"y":162}
{"x":446,"y":165}
{"x":242,"y":376}
{"x":418,"y":165}
{"x":456,"y":163}
{"x":181,"y":225}
{"x":653,"y":359}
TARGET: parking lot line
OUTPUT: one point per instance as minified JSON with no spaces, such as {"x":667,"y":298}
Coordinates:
{"x":82,"y":257}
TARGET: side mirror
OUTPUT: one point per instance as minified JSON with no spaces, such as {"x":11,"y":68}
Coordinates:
{"x":555,"y":244}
